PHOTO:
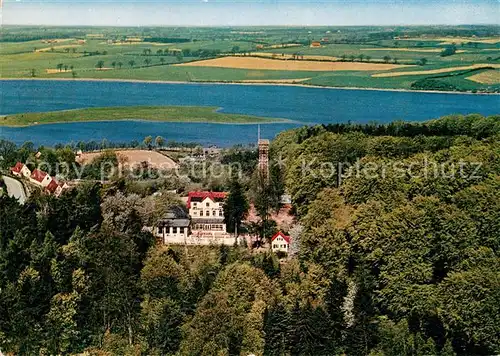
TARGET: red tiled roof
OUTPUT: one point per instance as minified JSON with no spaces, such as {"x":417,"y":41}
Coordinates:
{"x":38,"y":175}
{"x":287,"y":238}
{"x":17,"y":168}
{"x":52,"y":186}
{"x":200,"y":196}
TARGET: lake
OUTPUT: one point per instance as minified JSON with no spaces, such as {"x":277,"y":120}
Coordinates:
{"x":305,"y":106}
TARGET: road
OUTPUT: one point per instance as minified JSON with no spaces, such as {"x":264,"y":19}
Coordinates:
{"x":15,"y":189}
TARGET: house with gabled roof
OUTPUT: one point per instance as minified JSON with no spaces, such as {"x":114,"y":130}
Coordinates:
{"x":21,"y":170}
{"x":280,"y":242}
{"x":52,"y":186}
{"x":40,"y":178}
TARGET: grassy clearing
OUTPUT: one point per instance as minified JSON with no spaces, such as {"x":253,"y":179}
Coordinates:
{"x":150,"y":113}
{"x":185,"y":74}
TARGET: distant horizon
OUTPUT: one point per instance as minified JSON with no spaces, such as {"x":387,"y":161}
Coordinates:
{"x":249,"y":13}
{"x":257,"y":26}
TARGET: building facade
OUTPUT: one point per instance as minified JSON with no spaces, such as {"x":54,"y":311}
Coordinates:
{"x":280,"y":242}
{"x":207,"y":213}
{"x":174,"y":226}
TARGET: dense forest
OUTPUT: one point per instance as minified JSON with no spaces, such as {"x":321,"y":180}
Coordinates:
{"x":396,"y":252}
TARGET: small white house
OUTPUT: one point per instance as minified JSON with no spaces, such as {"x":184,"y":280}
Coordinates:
{"x":280,"y":242}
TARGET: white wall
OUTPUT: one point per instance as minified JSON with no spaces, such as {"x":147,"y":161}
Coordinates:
{"x":205,"y":241}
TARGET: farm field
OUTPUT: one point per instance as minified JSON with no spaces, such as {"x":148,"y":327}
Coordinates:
{"x":150,"y":113}
{"x":435,"y":71}
{"x":289,"y":65}
{"x":341,"y":56}
{"x":486,"y":77}
{"x":133,"y":158}
{"x":489,"y":40}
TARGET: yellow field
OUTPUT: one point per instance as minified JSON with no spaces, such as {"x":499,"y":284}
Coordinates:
{"x":47,"y":49}
{"x":449,"y":40}
{"x":54,"y":71}
{"x":136,"y":43}
{"x":280,"y":81}
{"x":434,"y":71}
{"x":57,"y":40}
{"x":487,"y":77}
{"x":301,"y":65}
{"x":430,"y":50}
{"x":285,"y":45}
{"x":133,"y":158}
{"x":290,"y":56}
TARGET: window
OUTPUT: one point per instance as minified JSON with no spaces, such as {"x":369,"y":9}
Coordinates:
{"x":181,"y":230}
{"x":207,"y":213}
{"x":207,"y":205}
{"x":221,"y":213}
{"x":195,"y":204}
{"x":174,"y":230}
{"x":201,"y":212}
{"x":214,"y":213}
{"x":160,"y":229}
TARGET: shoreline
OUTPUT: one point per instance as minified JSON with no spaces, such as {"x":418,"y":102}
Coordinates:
{"x":284,"y":121}
{"x":269,"y":83}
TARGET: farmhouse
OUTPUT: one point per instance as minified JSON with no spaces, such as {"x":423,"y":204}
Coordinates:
{"x":40,"y":178}
{"x":315,"y":44}
{"x":21,"y":170}
{"x":280,"y":242}
{"x":174,"y":227}
{"x":207,"y":214}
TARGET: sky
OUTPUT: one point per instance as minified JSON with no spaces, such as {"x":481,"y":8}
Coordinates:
{"x":248,"y":12}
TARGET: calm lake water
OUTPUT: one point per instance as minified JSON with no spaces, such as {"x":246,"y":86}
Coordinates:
{"x":305,"y":106}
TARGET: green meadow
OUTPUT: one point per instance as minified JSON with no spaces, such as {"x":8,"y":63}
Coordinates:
{"x":149,"y":113}
{"x":111,"y":53}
